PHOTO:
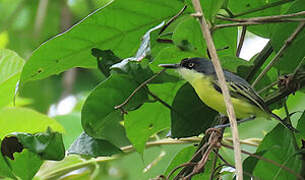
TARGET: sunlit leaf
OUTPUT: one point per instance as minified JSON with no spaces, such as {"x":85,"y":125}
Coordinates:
{"x":10,"y":67}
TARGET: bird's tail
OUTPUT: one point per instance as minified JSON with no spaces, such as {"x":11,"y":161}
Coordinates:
{"x":284,"y":123}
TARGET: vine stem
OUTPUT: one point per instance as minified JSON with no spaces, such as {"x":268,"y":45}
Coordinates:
{"x":288,"y":41}
{"x":220,"y":75}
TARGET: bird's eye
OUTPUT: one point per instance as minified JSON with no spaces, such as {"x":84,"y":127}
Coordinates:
{"x":191,"y":65}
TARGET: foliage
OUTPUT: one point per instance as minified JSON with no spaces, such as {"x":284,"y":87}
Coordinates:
{"x":123,"y":126}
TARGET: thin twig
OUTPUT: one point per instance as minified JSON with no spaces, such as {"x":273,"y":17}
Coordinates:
{"x":214,"y":164}
{"x":241,"y":40}
{"x":266,"y":18}
{"x":280,"y":52}
{"x":267,"y":160}
{"x":160,"y":100}
{"x":220,"y":75}
{"x":249,"y":23}
{"x":178,"y":167}
{"x":289,"y":121}
{"x":172,"y":19}
{"x":260,"y":60}
{"x":137,"y":89}
{"x":270,"y":5}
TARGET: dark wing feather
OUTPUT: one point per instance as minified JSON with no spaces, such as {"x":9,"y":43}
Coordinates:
{"x":240,"y":88}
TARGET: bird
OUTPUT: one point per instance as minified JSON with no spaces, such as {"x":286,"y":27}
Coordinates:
{"x":247,"y":103}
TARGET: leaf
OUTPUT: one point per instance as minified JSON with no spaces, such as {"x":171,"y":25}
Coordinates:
{"x":226,"y":41}
{"x":279,"y":147}
{"x":25,"y":120}
{"x":43,"y":144}
{"x":211,"y":8}
{"x":249,"y":165}
{"x":143,"y":51}
{"x":265,"y":30}
{"x":190,"y":116}
{"x":122,"y":24}
{"x":100,"y":119}
{"x":10,"y":67}
{"x":43,"y":93}
{"x":88,"y":146}
{"x":232,"y":63}
{"x":292,"y":55}
{"x":181,"y":157}
{"x":25,"y":165}
{"x":68,"y":121}
{"x":301,"y":125}
{"x":146,"y":121}
{"x":188,"y":37}
{"x":105,"y":59}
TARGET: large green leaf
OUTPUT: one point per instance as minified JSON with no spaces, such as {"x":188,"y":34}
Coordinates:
{"x":279,"y":147}
{"x":188,"y":37}
{"x":146,"y":121}
{"x":88,"y":146}
{"x":190,"y":116}
{"x":292,"y":55}
{"x":25,"y":120}
{"x":117,"y":26}
{"x":10,"y":67}
{"x":99,"y":118}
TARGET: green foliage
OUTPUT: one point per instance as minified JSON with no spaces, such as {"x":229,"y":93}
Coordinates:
{"x":189,"y":116}
{"x":99,"y":117}
{"x":88,"y":146}
{"x":10,"y":68}
{"x":121,"y":43}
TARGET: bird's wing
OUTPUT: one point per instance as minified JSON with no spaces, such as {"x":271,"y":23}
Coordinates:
{"x":240,"y":88}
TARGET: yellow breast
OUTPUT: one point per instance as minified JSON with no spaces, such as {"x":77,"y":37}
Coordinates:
{"x":214,"y":99}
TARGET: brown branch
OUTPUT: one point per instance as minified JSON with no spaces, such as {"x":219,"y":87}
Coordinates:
{"x":267,"y":160}
{"x":220,"y":75}
{"x":137,"y":89}
{"x":173,"y":19}
{"x":274,"y":18}
{"x":280,"y":52}
{"x":178,"y":167}
{"x":270,"y":5}
{"x":249,"y":23}
{"x":241,"y":40}
{"x":160,"y":100}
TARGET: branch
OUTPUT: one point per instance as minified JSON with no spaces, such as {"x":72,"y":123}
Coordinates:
{"x":248,"y":23}
{"x":241,"y":40}
{"x":267,"y":18}
{"x":260,"y":60}
{"x":137,"y":89}
{"x":172,"y":19}
{"x":280,"y":52}
{"x":270,"y":5}
{"x":267,"y":160}
{"x":219,"y":72}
